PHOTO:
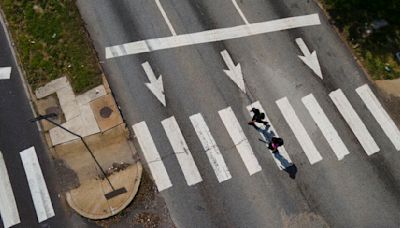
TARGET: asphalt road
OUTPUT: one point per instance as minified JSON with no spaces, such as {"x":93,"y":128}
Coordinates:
{"x":18,"y":134}
{"x":357,"y":191}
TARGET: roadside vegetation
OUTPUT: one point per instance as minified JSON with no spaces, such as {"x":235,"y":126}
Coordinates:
{"x":373,"y":29}
{"x":52,"y":42}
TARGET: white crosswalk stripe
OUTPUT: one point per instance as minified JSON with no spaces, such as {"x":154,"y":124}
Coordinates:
{"x":8,"y":207}
{"x":37,"y":185}
{"x":210,"y":146}
{"x":381,"y":116}
{"x":281,"y":163}
{"x":299,"y":131}
{"x":182,"y":152}
{"x":353,"y":120}
{"x":235,"y":131}
{"x":326,"y":127}
{"x":152,"y":156}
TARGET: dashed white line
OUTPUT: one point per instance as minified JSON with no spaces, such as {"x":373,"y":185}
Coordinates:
{"x":211,"y":35}
{"x":299,"y":131}
{"x":353,"y":120}
{"x":326,"y":127}
{"x":152,"y":156}
{"x":182,"y":152}
{"x":164,"y":14}
{"x":242,"y":144}
{"x":240,"y":12}
{"x":5,"y":73}
{"x":272,"y":132}
{"x":8,"y":207}
{"x":210,"y":146}
{"x":37,"y":185}
{"x":381,"y":116}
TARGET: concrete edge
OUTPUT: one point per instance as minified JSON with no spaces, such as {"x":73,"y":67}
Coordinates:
{"x":123,"y":206}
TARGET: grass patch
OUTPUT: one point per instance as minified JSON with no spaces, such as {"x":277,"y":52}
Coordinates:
{"x":51,"y":42}
{"x":376,"y":50}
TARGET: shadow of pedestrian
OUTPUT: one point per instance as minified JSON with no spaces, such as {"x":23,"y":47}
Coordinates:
{"x":287,"y":166}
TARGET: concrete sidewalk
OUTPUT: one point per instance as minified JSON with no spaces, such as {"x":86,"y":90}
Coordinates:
{"x":95,"y":116}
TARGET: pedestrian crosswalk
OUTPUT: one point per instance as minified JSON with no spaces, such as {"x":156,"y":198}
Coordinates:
{"x":37,"y":185}
{"x":233,"y":127}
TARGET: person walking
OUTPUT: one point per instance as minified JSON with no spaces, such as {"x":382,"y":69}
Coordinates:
{"x":275,"y":143}
{"x":258,"y":117}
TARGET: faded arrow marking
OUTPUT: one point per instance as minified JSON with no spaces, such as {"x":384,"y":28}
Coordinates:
{"x":234,"y":72}
{"x":156,"y":85}
{"x":310,"y":59}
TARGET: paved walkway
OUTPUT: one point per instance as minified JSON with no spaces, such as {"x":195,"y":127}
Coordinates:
{"x":95,"y":116}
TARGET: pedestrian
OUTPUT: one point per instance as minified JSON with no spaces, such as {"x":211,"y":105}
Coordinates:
{"x":257,"y":117}
{"x":275,"y":143}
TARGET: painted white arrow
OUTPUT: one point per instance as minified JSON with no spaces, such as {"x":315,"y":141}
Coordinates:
{"x":156,"y":85}
{"x":5,"y":73}
{"x":234,"y":72}
{"x":310,"y":59}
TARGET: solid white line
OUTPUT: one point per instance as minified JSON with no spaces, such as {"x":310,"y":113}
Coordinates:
{"x":211,"y":35}
{"x":353,"y":120}
{"x":272,"y":131}
{"x":164,"y":14}
{"x":210,"y":146}
{"x":326,"y":127}
{"x":182,"y":152}
{"x":8,"y":207}
{"x":152,"y":156}
{"x":381,"y":116}
{"x":5,"y":73}
{"x":37,"y":185}
{"x":240,"y":12}
{"x":299,"y":131}
{"x":235,"y":131}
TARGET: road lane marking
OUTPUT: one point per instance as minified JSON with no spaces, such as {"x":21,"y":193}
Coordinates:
{"x":37,"y":185}
{"x":282,"y":164}
{"x":210,"y":146}
{"x":164,"y":14}
{"x":240,"y":12}
{"x":152,"y":156}
{"x":299,"y":131}
{"x":5,"y":73}
{"x":233,"y":72}
{"x":353,"y":120}
{"x":381,"y":116}
{"x":8,"y":207}
{"x":310,"y":59}
{"x":155,"y":44}
{"x":243,"y":146}
{"x":326,"y":127}
{"x":156,"y":86}
{"x":181,"y":150}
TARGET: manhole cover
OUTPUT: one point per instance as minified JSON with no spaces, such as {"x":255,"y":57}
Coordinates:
{"x":105,"y":112}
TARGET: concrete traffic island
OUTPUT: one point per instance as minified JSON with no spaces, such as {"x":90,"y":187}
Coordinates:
{"x":95,"y":117}
{"x":89,"y":200}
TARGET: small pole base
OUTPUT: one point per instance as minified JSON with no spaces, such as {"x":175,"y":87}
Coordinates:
{"x":115,"y":193}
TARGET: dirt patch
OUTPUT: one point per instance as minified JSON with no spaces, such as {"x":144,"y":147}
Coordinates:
{"x":147,"y":210}
{"x":306,"y":220}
